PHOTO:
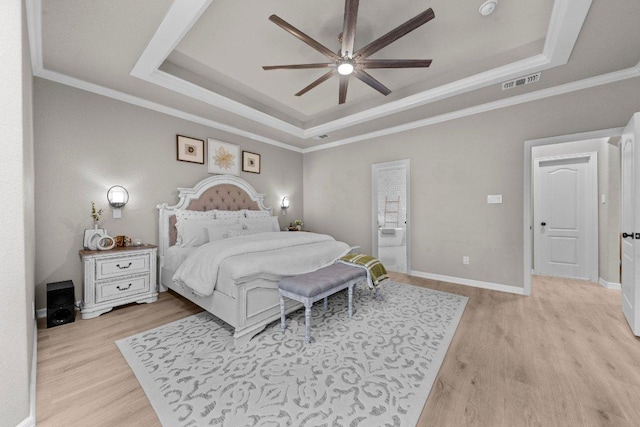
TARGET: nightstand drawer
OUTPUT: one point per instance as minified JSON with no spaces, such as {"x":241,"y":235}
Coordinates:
{"x":119,"y":266}
{"x":122,"y":288}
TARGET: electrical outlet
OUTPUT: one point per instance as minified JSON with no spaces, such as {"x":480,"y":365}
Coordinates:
{"x":465,"y":260}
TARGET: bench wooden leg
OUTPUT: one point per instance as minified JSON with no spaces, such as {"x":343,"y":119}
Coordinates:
{"x":351,"y":299}
{"x":325,"y":304}
{"x":282,"y":315}
{"x":307,"y":323}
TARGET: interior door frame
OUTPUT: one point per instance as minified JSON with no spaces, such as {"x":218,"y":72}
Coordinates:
{"x":406,"y":163}
{"x":527,"y":225}
{"x":591,"y":228}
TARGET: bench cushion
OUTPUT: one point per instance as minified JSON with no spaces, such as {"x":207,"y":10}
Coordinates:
{"x":319,"y":281}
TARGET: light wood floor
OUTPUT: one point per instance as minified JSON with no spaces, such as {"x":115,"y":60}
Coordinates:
{"x":562,"y":357}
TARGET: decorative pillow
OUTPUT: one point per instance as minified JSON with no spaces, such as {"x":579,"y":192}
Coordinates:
{"x":270,"y":222}
{"x":242,"y":232}
{"x":256,"y":214}
{"x":260,"y":227}
{"x":194,"y":232}
{"x":182,"y":214}
{"x":221,"y":231}
{"x":229,"y":214}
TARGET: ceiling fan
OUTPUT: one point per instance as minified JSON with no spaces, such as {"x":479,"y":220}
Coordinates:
{"x":349,"y":63}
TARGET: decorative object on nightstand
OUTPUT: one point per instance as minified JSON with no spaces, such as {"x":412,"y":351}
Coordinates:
{"x":118,"y":276}
{"x":298,"y":223}
{"x":92,"y":236}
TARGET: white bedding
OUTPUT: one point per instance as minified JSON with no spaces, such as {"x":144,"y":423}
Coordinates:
{"x":175,"y":256}
{"x":278,"y":253}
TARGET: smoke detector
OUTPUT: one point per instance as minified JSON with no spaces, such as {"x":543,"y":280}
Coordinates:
{"x":488,"y":7}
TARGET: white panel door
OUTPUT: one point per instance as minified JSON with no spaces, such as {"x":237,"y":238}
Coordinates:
{"x":561,"y":218}
{"x":630,"y":225}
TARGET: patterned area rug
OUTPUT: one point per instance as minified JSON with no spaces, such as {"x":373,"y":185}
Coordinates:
{"x":375,"y":369}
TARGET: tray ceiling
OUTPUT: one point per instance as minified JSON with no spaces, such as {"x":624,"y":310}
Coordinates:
{"x":201,"y":59}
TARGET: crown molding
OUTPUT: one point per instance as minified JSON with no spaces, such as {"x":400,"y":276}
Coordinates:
{"x":603,"y":79}
{"x":150,"y":105}
{"x":565,"y":24}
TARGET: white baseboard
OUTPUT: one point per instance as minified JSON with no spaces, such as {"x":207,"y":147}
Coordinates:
{"x":469,"y":282}
{"x":42,"y":312}
{"x":610,"y":285}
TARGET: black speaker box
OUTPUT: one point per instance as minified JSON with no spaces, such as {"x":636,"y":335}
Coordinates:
{"x":61,"y":307}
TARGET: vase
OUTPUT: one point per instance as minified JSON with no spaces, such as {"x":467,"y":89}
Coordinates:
{"x":299,"y":227}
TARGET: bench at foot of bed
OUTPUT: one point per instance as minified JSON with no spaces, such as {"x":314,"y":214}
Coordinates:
{"x":311,"y":287}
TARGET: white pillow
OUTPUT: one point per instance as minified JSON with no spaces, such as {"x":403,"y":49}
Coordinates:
{"x":268,"y":222}
{"x":229,"y":214}
{"x":194,"y":232}
{"x":256,"y":214}
{"x":221,"y":231}
{"x":260,"y":227}
{"x":242,"y":232}
{"x":182,"y":214}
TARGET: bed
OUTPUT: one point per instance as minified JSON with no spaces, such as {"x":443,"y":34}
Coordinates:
{"x":245,"y":292}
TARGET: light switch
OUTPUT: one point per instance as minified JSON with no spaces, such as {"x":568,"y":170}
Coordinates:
{"x":603,"y":198}
{"x":494,"y":198}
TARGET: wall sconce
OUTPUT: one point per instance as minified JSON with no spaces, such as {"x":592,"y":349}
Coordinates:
{"x":118,"y":196}
{"x":285,"y":204}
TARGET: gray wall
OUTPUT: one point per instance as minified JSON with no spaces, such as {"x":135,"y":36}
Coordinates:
{"x":17,"y":228}
{"x":454,"y":166}
{"x":85,"y":143}
{"x":609,"y":186}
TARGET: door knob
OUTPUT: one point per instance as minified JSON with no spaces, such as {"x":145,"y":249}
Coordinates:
{"x":543,"y":224}
{"x":625,"y":235}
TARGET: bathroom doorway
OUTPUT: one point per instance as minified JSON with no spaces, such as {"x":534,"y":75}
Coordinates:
{"x":390,"y":214}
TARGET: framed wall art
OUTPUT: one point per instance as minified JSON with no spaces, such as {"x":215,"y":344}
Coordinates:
{"x":190,"y":149}
{"x":250,"y":162}
{"x":223,"y":157}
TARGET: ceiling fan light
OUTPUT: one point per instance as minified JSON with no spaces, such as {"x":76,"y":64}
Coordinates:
{"x":345,"y":68}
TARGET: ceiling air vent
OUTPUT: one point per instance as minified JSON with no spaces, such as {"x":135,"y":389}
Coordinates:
{"x":521,"y":81}
{"x":321,"y":136}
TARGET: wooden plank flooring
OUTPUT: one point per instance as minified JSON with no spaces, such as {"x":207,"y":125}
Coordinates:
{"x":564,"y":356}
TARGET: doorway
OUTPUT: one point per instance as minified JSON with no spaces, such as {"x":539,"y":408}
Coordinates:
{"x":607,"y":200}
{"x":390,"y":214}
{"x":565,"y":216}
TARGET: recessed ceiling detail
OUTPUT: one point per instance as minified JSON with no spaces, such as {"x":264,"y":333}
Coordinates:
{"x":349,"y":63}
{"x":193,"y":60}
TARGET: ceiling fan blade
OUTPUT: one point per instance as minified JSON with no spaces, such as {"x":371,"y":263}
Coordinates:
{"x":368,"y":79}
{"x":349,"y":27}
{"x":316,"y":82}
{"x":296,"y":66}
{"x":394,"y":63}
{"x":342,"y":93}
{"x":396,"y":33}
{"x":303,"y":37}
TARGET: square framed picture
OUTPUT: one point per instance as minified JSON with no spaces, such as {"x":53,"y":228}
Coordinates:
{"x":190,"y":149}
{"x":250,"y":162}
{"x":223,"y":157}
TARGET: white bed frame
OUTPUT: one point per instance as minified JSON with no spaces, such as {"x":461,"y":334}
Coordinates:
{"x":257,"y":299}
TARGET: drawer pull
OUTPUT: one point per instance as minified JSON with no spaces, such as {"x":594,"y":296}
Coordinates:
{"x":123,"y":289}
{"x":124,"y":267}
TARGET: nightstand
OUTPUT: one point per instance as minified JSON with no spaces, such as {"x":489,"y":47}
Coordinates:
{"x":116,"y":277}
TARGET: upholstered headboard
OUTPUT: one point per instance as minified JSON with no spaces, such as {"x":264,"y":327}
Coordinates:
{"x":221,"y":192}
